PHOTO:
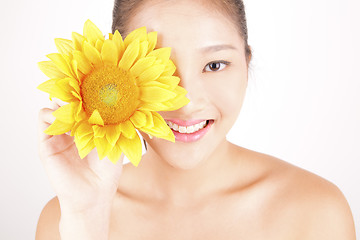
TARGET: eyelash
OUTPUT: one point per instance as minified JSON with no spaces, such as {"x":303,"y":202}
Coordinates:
{"x":207,"y":67}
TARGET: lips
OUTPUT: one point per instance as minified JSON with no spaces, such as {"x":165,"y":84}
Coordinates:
{"x":189,"y":131}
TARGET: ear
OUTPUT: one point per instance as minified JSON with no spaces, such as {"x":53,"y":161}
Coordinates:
{"x":249,"y":54}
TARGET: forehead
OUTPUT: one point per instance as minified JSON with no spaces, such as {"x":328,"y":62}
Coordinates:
{"x":186,"y":22}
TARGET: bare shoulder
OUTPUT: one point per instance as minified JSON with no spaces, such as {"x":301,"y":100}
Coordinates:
{"x":303,"y":199}
{"x":326,"y":212}
{"x":48,"y":224}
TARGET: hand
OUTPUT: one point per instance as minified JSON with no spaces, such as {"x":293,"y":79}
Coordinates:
{"x":80,"y":184}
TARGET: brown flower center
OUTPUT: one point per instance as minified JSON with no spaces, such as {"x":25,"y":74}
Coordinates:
{"x":112,"y":91}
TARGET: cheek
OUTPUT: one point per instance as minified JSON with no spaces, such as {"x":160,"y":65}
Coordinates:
{"x":227,"y":93}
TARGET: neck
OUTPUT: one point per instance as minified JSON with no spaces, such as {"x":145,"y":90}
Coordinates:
{"x":185,"y":186}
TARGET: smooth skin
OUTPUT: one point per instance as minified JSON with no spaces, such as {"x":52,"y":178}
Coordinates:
{"x":209,"y":189}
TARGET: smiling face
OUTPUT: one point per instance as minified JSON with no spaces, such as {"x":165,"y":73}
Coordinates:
{"x":210,"y":58}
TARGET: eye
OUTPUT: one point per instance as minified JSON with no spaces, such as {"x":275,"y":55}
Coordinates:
{"x":215,"y":66}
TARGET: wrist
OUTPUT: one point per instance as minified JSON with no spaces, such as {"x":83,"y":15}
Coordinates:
{"x":86,"y":205}
{"x":88,"y":224}
{"x":85,"y":220}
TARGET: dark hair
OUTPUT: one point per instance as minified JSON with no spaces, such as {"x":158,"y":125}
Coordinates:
{"x":123,"y":9}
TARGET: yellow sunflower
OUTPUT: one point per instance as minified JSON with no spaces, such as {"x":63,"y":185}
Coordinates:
{"x":113,"y":87}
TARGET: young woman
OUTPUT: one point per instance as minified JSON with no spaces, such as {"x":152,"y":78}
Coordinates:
{"x":201,"y":187}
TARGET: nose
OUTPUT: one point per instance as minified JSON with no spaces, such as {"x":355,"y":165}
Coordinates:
{"x":190,"y":79}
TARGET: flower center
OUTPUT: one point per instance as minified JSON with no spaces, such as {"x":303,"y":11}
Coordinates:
{"x":112,"y":91}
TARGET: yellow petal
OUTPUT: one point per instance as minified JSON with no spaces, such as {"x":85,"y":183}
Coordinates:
{"x":99,"y":131}
{"x":58,"y":128}
{"x":152,"y":39}
{"x":151,"y":73}
{"x":74,"y":128}
{"x":170,"y":137}
{"x":77,"y":40}
{"x":109,"y":52}
{"x":50,"y":69}
{"x":115,"y":154}
{"x":149,"y":119}
{"x":75,"y":85}
{"x":74,"y":68}
{"x":143,"y":49}
{"x":170,"y":69}
{"x":56,"y":89}
{"x":62,"y":95}
{"x":130,"y":55}
{"x":84,"y":64}
{"x":180,"y":91}
{"x":113,"y":133}
{"x":64,"y":46}
{"x":103,"y":147}
{"x":138,"y":119}
{"x":127,"y":129}
{"x":119,"y":43}
{"x":80,"y":113}
{"x":83,"y":129}
{"x":47,"y":86}
{"x":98,"y":45}
{"x":65,"y":113}
{"x":131,"y":148}
{"x":96,"y":118}
{"x":155,"y":94}
{"x":152,"y":132}
{"x":83,"y":141}
{"x":171,"y":81}
{"x":154,"y":106}
{"x":159,"y":123}
{"x":81,"y":76}
{"x":60,"y":62}
{"x":159,"y":130}
{"x":64,"y":84}
{"x":162,"y":54}
{"x":138,"y":34}
{"x":76,"y":95}
{"x":91,"y":53}
{"x":141,"y":65}
{"x":87,"y":149}
{"x":178,"y":102}
{"x":92,"y":33}
{"x":155,"y":84}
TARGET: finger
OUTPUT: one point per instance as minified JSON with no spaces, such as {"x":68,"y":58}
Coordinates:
{"x":54,"y":105}
{"x":59,"y":102}
{"x":57,"y":144}
{"x":45,"y":120}
{"x":46,"y":115}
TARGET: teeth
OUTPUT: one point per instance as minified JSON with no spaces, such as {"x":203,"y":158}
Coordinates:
{"x":182,"y":129}
{"x":188,"y":129}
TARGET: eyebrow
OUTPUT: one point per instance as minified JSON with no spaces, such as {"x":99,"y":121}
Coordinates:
{"x":216,"y":48}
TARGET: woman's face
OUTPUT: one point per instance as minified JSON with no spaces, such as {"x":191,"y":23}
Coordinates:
{"x":209,"y":55}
